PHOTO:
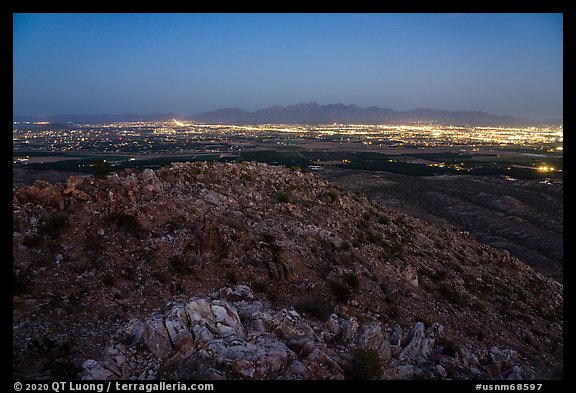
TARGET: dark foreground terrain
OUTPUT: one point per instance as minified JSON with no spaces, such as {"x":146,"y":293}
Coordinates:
{"x":250,"y":271}
{"x":523,"y":216}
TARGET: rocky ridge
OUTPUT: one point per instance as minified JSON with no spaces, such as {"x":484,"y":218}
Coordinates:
{"x":231,"y":334}
{"x":248,"y":271}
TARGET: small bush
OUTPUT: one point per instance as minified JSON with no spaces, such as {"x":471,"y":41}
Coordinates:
{"x":247,"y":177}
{"x":129,"y":273}
{"x":520,"y":294}
{"x":276,"y":251}
{"x":127,"y":222}
{"x":424,"y":319}
{"x":179,"y":265}
{"x":64,"y":369}
{"x":366,"y":216}
{"x":451,"y":294}
{"x":373,"y":237}
{"x":231,"y":278}
{"x":259,"y":286}
{"x":439,"y":275}
{"x":108,"y":279}
{"x":232,"y":223}
{"x":20,"y":281}
{"x":327,"y":245}
{"x":32,"y":240}
{"x":268,"y":237}
{"x":383,"y":287}
{"x":463,"y":259}
{"x":294,"y":168}
{"x":334,"y":195}
{"x":365,"y":364}
{"x":340,"y":291}
{"x":53,"y":225}
{"x":175,"y":223}
{"x":352,"y":280}
{"x":101,"y":169}
{"x":282,"y":197}
{"x":383,"y":219}
{"x":315,"y":307}
{"x":345,"y":246}
{"x":42,"y":345}
{"x":93,"y":242}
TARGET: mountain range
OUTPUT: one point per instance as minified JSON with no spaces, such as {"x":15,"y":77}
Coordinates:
{"x":310,"y":113}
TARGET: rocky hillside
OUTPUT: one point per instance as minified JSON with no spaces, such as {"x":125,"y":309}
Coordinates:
{"x":249,"y":271}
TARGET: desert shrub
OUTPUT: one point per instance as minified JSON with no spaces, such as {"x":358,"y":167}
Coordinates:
{"x":451,"y":294}
{"x":315,"y":307}
{"x":276,"y":251}
{"x":231,"y":222}
{"x":425,"y":319}
{"x":175,"y":223}
{"x":345,"y":246}
{"x":352,"y":280}
{"x":64,"y":369}
{"x":365,"y":364}
{"x":520,"y":294}
{"x":127,"y":223}
{"x":463,"y":259}
{"x":32,"y":240}
{"x":478,"y":307}
{"x":179,"y":265}
{"x":373,"y":237}
{"x":268,"y":237}
{"x":383,"y":219}
{"x":334,"y":195}
{"x":259,"y":286}
{"x":383,"y":287}
{"x":247,"y":177}
{"x":366,"y":216}
{"x":53,"y":225}
{"x":162,"y":277}
{"x":391,"y":251}
{"x":231,"y":278}
{"x":129,"y":273}
{"x":101,"y":169}
{"x":439,"y":275}
{"x":327,"y":245}
{"x":108,"y":279}
{"x":41,"y":345}
{"x":340,"y":291}
{"x":294,"y":168}
{"x":282,"y":197}
{"x":93,"y":242}
{"x":20,"y":281}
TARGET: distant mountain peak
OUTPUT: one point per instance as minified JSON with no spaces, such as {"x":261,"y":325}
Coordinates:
{"x":314,"y":113}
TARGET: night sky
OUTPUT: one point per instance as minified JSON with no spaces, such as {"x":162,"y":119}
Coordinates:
{"x":189,"y":63}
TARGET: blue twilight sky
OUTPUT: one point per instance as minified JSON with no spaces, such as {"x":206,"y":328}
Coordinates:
{"x":189,"y":63}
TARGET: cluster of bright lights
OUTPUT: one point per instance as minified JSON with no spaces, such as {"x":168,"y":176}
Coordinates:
{"x":119,"y":136}
{"x":546,"y":168}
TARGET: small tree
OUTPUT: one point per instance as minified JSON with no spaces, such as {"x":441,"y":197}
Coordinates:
{"x":101,"y":169}
{"x":365,"y":364}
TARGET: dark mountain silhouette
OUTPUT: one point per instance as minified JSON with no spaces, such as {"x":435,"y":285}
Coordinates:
{"x":313,"y":113}
{"x":309,"y":113}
